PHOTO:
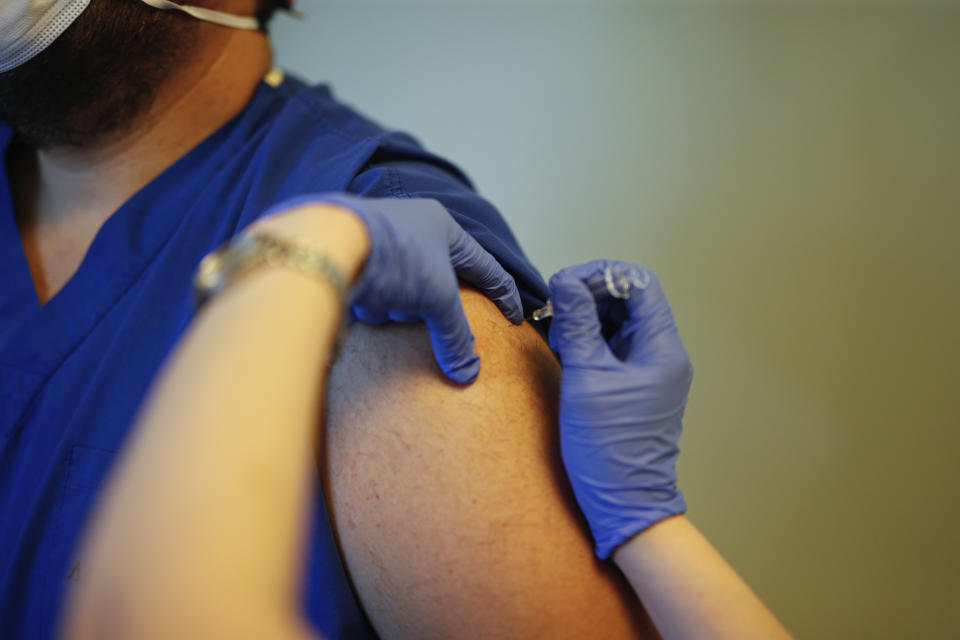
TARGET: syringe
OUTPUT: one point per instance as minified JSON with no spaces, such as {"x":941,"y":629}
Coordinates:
{"x":618,"y":280}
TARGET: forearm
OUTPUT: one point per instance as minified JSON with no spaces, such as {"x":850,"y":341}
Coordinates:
{"x":689,"y":589}
{"x":234,"y":412}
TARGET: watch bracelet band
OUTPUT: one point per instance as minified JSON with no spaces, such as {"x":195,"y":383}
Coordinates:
{"x":247,"y":251}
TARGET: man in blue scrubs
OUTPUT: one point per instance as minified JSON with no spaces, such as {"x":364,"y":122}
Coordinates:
{"x":136,"y":140}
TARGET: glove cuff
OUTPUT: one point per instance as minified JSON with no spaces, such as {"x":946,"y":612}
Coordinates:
{"x":634,"y":522}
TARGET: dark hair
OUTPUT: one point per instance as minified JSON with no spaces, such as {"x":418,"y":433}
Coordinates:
{"x":98,"y":75}
{"x":266,"y":9}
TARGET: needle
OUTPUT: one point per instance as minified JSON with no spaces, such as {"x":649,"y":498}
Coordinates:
{"x":618,"y":280}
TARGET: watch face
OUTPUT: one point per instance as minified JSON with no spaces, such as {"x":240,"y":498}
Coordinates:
{"x":220,"y":266}
{"x":210,"y":276}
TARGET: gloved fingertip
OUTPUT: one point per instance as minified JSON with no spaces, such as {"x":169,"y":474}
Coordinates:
{"x":568,"y":293}
{"x":515,"y":308}
{"x":552,"y":282}
{"x":575,"y":332}
{"x":565,"y":286}
{"x":507,"y":299}
{"x":464,"y":371}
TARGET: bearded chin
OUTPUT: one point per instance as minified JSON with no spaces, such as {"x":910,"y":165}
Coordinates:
{"x":94,"y":81}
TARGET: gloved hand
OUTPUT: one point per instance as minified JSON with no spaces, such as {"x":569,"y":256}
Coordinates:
{"x":417,"y":252}
{"x":621,"y":402}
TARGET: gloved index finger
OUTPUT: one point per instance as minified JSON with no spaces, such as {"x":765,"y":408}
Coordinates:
{"x":452,"y":340}
{"x":605,"y":280}
{"x":576,"y":332}
{"x":477,"y":266}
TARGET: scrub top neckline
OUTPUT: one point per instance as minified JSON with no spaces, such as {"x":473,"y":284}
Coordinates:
{"x":123,"y":247}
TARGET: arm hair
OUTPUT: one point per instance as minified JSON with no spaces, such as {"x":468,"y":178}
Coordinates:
{"x":450,"y":503}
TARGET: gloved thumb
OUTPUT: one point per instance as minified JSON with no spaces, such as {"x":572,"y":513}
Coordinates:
{"x":575,"y":332}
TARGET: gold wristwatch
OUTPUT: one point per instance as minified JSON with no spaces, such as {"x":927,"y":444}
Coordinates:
{"x":247,"y":251}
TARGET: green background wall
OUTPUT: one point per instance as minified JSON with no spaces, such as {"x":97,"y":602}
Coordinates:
{"x":792,"y":173}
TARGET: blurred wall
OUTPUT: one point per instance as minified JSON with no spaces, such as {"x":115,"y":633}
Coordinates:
{"x":792,"y":172}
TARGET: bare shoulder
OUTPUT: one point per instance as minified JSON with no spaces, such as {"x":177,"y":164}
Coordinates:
{"x":450,"y":503}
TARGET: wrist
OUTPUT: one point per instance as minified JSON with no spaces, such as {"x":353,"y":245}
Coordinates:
{"x":627,"y":552}
{"x":332,"y":229}
{"x":638,"y":512}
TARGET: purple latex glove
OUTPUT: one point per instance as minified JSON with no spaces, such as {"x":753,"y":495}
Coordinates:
{"x":621,"y":401}
{"x":417,"y":254}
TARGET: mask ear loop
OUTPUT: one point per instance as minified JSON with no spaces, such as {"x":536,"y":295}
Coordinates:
{"x":249,"y":23}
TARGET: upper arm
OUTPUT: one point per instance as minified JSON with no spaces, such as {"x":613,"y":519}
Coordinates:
{"x":450,"y":503}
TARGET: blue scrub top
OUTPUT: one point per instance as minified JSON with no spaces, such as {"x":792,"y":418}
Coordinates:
{"x":74,"y":370}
